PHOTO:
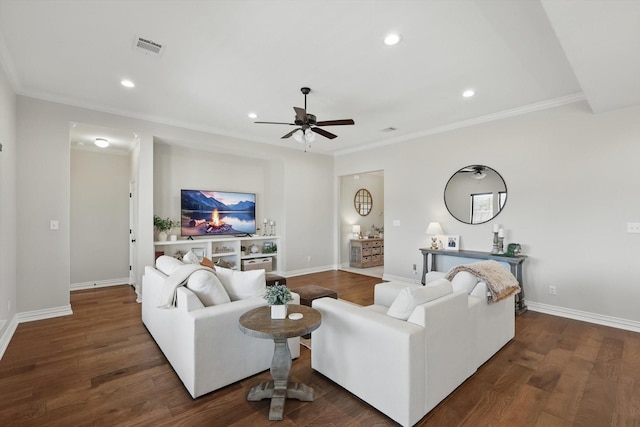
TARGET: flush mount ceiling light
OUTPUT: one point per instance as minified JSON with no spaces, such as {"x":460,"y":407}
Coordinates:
{"x":392,"y":39}
{"x":468,"y":93}
{"x":102,"y":143}
{"x":127,"y":83}
{"x":253,"y":115}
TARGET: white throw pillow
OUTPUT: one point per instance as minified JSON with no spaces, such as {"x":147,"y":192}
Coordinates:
{"x":411,"y":297}
{"x":242,"y":284}
{"x":190,"y":258}
{"x":167,"y":264}
{"x":464,"y":281}
{"x":207,"y":288}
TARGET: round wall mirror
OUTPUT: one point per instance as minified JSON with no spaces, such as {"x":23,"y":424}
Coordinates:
{"x":475,"y":194}
{"x":363,"y":202}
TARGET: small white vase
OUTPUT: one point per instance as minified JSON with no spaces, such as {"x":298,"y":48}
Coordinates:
{"x":279,"y":311}
{"x":162,"y":236}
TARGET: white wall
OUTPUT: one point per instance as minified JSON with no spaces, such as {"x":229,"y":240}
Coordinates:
{"x":572,"y":182}
{"x":99,"y":224}
{"x":299,"y":195}
{"x":8,"y":232}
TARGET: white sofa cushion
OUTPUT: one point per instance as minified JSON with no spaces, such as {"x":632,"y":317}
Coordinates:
{"x":410,"y":297}
{"x":208,"y":288}
{"x":242,"y":284}
{"x":167,"y":264}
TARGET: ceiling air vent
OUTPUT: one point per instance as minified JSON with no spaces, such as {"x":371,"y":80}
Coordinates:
{"x":147,"y":46}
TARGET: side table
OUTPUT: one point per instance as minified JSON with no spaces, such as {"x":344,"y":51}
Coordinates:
{"x":258,"y":323}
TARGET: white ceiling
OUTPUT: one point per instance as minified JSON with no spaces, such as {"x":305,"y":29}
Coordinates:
{"x":224,"y":59}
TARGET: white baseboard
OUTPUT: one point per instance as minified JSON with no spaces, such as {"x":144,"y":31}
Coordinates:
{"x":98,"y":284}
{"x":598,"y":319}
{"x":303,"y":271}
{"x":6,"y":336}
{"x":47,"y":313}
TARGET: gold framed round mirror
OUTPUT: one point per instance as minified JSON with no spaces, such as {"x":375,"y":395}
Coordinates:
{"x":363,"y":202}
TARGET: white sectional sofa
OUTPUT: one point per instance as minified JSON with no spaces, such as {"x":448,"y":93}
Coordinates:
{"x":205,"y":345}
{"x":404,"y":368}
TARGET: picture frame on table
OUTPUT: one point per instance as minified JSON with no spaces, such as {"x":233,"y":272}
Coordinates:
{"x":452,"y":243}
{"x":199,"y":252}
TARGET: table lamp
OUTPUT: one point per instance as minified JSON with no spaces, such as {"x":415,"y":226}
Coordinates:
{"x":356,"y":231}
{"x":434,"y":229}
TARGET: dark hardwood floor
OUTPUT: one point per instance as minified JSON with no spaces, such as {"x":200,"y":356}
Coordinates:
{"x":101,"y":367}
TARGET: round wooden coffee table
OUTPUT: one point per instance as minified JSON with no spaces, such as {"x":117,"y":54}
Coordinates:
{"x":258,"y":323}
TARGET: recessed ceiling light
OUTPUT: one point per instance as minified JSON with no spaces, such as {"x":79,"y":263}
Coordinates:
{"x":102,"y":143}
{"x":253,"y":116}
{"x":468,"y":93}
{"x":391,"y":39}
{"x":127,"y":83}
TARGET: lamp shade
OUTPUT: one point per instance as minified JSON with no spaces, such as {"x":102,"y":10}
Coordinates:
{"x":434,"y":228}
{"x":355,"y":229}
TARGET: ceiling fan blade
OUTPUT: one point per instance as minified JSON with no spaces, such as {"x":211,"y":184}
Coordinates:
{"x":289,"y":134}
{"x":324,"y":133}
{"x":335,"y":122}
{"x":276,"y":123}
{"x":301,"y":114}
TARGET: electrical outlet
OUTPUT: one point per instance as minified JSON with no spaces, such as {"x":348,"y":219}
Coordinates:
{"x":552,"y":290}
{"x":633,"y":227}
{"x":414,"y":267}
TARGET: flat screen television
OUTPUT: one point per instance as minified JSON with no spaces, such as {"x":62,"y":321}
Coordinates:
{"x":217,"y":213}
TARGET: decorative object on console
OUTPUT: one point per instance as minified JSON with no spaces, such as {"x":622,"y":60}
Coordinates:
{"x":452,"y":243}
{"x":513,"y":249}
{"x":501,"y":241}
{"x":269,"y":248}
{"x":496,"y":247}
{"x":163,"y":225}
{"x":355,"y":229}
{"x":278,"y":296}
{"x":435,"y":230}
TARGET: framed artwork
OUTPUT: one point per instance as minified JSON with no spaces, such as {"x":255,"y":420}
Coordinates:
{"x":452,"y":243}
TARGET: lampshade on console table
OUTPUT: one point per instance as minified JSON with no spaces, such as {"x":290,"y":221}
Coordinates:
{"x":515,"y":264}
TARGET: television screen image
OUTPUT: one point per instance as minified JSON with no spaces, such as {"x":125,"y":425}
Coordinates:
{"x":217,"y":213}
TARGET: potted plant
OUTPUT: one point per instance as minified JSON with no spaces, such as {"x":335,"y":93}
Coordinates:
{"x":163,"y":225}
{"x":278,"y":296}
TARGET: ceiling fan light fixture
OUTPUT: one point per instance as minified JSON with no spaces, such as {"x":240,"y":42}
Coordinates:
{"x":297,"y":135}
{"x":101,"y":142}
{"x":479,"y":175}
{"x":392,"y":39}
{"x":309,"y":135}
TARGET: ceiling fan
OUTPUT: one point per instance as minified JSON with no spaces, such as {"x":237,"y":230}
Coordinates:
{"x":308,"y":124}
{"x":479,"y":171}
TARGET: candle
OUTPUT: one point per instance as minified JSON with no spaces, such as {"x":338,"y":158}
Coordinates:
{"x":495,"y":228}
{"x":272,"y":222}
{"x":501,"y":233}
{"x":265,"y":221}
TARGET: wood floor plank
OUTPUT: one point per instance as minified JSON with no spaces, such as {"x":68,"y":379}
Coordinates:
{"x":100,"y":366}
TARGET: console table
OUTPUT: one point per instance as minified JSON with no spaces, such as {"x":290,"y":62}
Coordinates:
{"x":515,"y":263}
{"x":258,"y":323}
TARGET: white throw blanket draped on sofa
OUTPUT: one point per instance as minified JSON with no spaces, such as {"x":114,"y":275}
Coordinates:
{"x":178,"y":278}
{"x":500,"y":282}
